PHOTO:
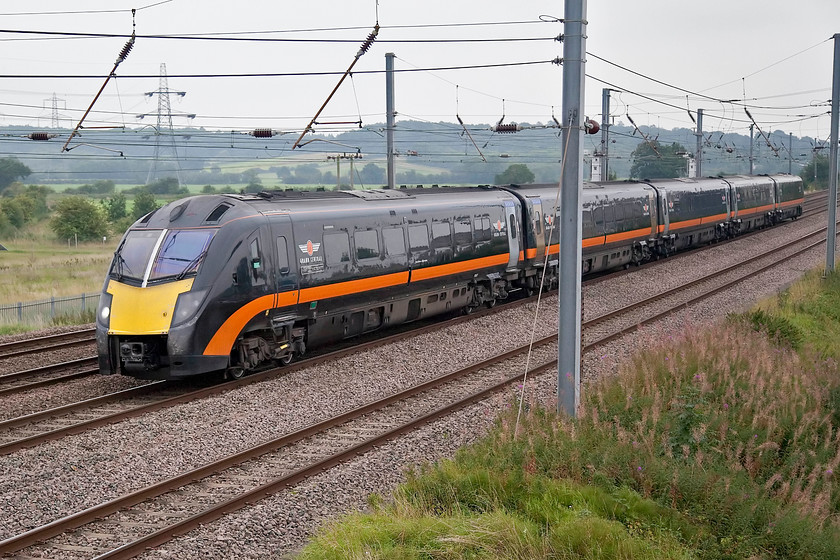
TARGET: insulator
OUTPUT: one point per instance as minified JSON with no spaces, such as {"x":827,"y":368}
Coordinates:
{"x":262,"y":133}
{"x":368,"y":42}
{"x":506,"y":128}
{"x":126,"y":49}
{"x":40,"y":136}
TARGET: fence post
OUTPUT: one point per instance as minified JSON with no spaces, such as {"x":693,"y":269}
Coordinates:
{"x":52,"y":307}
{"x":20,"y":311}
{"x":84,"y":307}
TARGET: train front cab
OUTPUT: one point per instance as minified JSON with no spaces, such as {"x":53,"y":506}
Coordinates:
{"x":148,"y":299}
{"x":187,"y":288}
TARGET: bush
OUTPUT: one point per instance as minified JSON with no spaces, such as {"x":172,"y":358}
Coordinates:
{"x":79,"y":218}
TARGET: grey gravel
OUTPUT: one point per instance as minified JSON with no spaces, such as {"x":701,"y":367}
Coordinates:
{"x":58,"y":478}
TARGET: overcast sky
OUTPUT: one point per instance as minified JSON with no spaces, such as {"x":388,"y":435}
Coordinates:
{"x":776,"y":55}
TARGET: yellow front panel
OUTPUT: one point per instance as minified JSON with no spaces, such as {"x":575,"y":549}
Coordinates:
{"x":144,"y":310}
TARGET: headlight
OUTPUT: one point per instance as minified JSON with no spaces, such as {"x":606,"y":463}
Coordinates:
{"x":103,"y":311}
{"x":187,"y":306}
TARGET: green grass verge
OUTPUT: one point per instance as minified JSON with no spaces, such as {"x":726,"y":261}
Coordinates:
{"x":722,"y":445}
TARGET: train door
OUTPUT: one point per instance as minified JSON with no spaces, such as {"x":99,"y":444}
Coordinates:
{"x":287,"y":257}
{"x":664,"y":211}
{"x":537,"y":228}
{"x":514,"y":236}
{"x":654,"y":211}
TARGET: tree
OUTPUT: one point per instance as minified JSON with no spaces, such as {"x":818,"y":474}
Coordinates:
{"x":516,"y":174}
{"x":166,"y":185}
{"x":144,"y":202}
{"x":11,"y":169}
{"x":79,"y":218}
{"x":14,"y":211}
{"x":115,"y":207}
{"x":666,"y":162}
{"x":306,"y":173}
{"x":105,"y":186}
{"x":815,"y":174}
{"x":372,"y":174}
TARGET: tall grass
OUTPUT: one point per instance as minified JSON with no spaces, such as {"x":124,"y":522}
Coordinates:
{"x":37,"y":267}
{"x":723,"y":445}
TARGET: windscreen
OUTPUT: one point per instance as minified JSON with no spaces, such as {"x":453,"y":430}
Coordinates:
{"x":132,"y":258}
{"x":180,"y":253}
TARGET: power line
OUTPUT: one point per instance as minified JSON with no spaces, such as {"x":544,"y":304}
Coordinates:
{"x":203,"y":37}
{"x":273,"y":74}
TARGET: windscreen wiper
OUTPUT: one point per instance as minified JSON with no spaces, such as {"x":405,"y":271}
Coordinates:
{"x":192,"y":265}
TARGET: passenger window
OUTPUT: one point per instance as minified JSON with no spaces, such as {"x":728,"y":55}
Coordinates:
{"x":512,"y":226}
{"x":537,"y":222}
{"x":441,"y":235}
{"x":463,"y":232}
{"x":394,"y":241}
{"x":367,"y":244}
{"x":418,"y":237}
{"x":482,"y":229}
{"x":336,"y":248}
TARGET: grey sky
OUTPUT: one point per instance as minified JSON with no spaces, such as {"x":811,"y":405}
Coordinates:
{"x":733,"y":49}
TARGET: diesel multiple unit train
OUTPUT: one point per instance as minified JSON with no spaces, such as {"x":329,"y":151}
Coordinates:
{"x":237,"y":282}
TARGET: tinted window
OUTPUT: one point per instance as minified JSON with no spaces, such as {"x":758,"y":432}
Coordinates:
{"x":418,"y":237}
{"x":463,"y":232}
{"x":367,"y":244}
{"x":282,"y":253}
{"x":394,"y":241}
{"x":181,"y":252}
{"x":482,"y":229}
{"x":336,"y":248}
{"x":133,"y":256}
{"x":441,"y":235}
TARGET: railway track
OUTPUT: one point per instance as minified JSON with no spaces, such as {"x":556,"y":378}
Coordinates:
{"x":128,"y":525}
{"x":41,"y":426}
{"x":47,"y":343}
{"x":44,"y":376}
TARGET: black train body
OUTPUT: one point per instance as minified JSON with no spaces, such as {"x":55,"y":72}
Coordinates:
{"x":237,"y":282}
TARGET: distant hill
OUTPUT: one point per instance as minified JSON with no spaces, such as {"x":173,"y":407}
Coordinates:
{"x":428,"y":153}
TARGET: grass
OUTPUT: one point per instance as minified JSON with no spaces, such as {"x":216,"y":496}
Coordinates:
{"x":724,"y":444}
{"x":37,"y":267}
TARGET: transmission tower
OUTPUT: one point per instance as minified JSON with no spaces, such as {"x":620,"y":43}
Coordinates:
{"x":164,"y":133}
{"x":55,"y":120}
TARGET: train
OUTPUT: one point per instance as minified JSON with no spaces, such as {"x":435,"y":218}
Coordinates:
{"x":236,"y":283}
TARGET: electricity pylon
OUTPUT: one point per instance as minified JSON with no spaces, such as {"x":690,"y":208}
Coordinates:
{"x":164,"y":133}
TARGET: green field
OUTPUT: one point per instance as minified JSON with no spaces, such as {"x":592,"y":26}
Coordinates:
{"x":35,"y":266}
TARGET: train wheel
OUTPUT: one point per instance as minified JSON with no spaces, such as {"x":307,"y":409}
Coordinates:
{"x":490,"y":303}
{"x":287,"y":359}
{"x":235,"y":373}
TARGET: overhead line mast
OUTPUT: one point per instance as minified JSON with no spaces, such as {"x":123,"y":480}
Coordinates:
{"x":362,"y":50}
{"x":122,"y":56}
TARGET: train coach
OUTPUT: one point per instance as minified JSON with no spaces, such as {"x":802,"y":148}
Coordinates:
{"x":237,"y":282}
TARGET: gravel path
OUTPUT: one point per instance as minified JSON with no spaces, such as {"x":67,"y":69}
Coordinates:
{"x":58,"y":478}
